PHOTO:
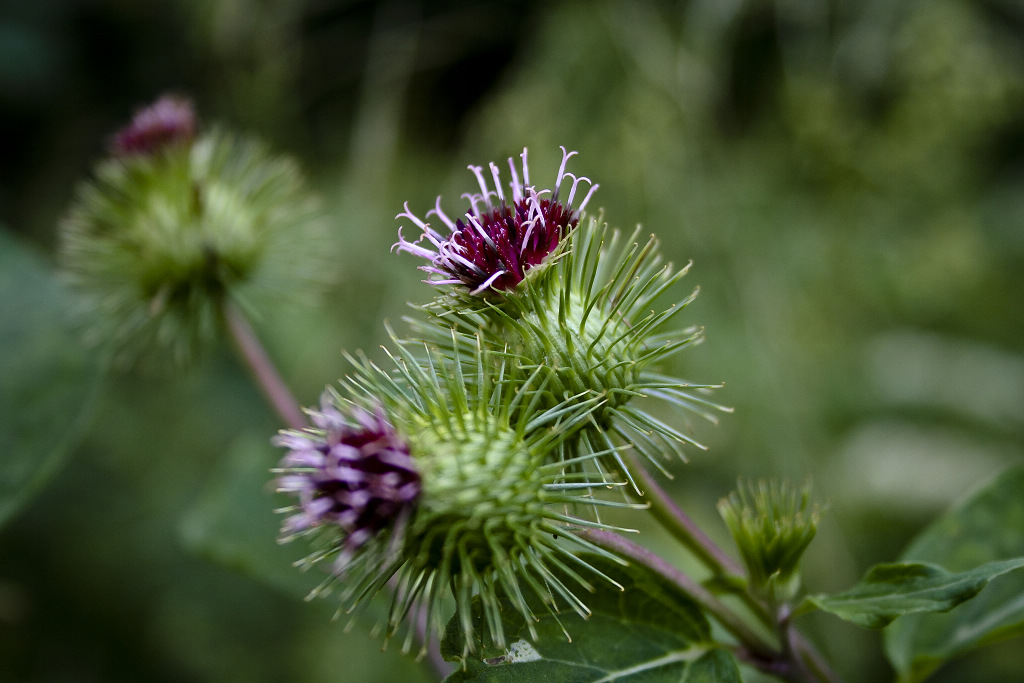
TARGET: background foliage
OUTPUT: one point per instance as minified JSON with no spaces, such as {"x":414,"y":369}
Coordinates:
{"x":846,"y":176}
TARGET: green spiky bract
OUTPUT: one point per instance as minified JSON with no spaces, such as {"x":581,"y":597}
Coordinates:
{"x":158,"y":242}
{"x":772,"y":524}
{"x":587,"y":321}
{"x":494,"y":515}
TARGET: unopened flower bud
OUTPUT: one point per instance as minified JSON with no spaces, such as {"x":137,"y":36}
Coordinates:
{"x":772,"y":524}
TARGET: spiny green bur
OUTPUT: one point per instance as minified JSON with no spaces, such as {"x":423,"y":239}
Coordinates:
{"x":587,"y":321}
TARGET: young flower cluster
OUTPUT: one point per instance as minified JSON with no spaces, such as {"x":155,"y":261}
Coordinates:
{"x":513,"y":404}
{"x":176,"y":223}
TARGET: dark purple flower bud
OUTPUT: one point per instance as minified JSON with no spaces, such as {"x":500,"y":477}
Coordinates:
{"x":501,"y":237}
{"x":168,"y":121}
{"x":353,"y":471}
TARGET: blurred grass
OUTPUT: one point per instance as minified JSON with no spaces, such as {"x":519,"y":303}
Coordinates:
{"x":845,"y":175}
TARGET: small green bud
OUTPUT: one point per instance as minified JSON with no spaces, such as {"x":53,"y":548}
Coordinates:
{"x":476,"y":508}
{"x":772,"y":524}
{"x":174,"y":224}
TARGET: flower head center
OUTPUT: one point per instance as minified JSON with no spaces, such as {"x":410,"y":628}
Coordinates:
{"x":359,"y":477}
{"x":168,"y":122}
{"x":500,"y":238}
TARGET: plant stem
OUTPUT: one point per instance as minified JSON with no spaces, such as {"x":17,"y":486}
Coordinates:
{"x":671,"y":517}
{"x":262,"y":368}
{"x":805,"y":652}
{"x":753,"y":641}
{"x":437,"y":664}
{"x":787,"y":636}
{"x":686,"y":531}
{"x":795,"y":661}
{"x":679,"y":524}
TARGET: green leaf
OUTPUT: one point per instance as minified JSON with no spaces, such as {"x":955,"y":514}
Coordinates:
{"x":989,"y":526}
{"x":649,"y":632}
{"x":889,"y":591}
{"x":234,"y":525}
{"x":48,"y":383}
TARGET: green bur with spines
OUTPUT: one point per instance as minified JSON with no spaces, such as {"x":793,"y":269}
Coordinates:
{"x":587,"y":322}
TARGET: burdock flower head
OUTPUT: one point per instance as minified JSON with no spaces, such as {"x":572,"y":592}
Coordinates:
{"x":594,"y":324}
{"x":502,"y":237}
{"x":454,"y":504}
{"x":176,"y":224}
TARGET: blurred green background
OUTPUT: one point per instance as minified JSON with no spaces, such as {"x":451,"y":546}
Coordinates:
{"x":846,"y":176}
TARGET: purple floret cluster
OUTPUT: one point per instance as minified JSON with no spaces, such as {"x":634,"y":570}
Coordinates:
{"x":167,"y":122}
{"x":352,"y":471}
{"x":501,"y":237}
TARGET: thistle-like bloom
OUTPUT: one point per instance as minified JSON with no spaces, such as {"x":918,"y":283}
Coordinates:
{"x":168,"y":122}
{"x":593,"y":322}
{"x":595,"y":325}
{"x":501,"y":237}
{"x":353,"y":472}
{"x":471,"y":510}
{"x":175,"y":225}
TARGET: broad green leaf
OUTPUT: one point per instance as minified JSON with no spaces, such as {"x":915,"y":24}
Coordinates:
{"x":48,"y":383}
{"x":889,"y":591}
{"x":989,"y":526}
{"x":647,"y":633}
{"x":234,"y":524}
